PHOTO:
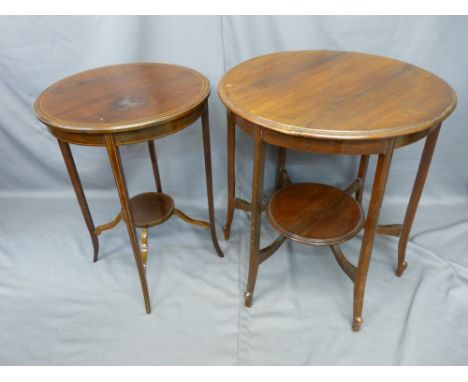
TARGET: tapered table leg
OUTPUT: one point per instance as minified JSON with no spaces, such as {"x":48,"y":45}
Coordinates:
{"x":418,"y":186}
{"x":209,"y":179}
{"x":154,"y":165}
{"x":362,"y":172}
{"x":231,"y":181}
{"x":119,"y":177}
{"x":280,"y":167}
{"x":255,"y":227}
{"x":75,"y":179}
{"x":370,"y":227}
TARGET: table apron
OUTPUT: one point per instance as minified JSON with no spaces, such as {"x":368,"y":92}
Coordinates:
{"x":330,"y":146}
{"x":131,"y":136}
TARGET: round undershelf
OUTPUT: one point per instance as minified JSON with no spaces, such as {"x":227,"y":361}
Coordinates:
{"x":151,"y":208}
{"x":315,"y":214}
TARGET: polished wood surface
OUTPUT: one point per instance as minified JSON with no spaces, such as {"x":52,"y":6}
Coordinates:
{"x":331,"y":94}
{"x":316,"y":214}
{"x":124,"y":104}
{"x":332,"y":103}
{"x":121,"y":97}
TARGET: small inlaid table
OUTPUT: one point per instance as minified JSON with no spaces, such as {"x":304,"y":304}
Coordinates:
{"x":330,"y":102}
{"x":124,"y":104}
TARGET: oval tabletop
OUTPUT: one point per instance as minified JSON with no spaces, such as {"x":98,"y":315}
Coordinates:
{"x":336,"y":95}
{"x":122,"y":97}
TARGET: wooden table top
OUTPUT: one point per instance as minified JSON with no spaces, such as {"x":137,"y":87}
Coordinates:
{"x":336,"y":95}
{"x":122,"y":97}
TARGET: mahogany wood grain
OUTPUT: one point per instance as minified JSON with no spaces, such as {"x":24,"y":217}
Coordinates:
{"x":132,"y":136}
{"x":331,"y":94}
{"x":122,"y":97}
{"x":124,"y":104}
{"x":316,"y":214}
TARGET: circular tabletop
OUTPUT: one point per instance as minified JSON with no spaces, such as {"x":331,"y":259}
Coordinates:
{"x":122,"y":97}
{"x":336,"y":95}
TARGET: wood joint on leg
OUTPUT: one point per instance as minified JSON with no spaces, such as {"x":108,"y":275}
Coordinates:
{"x":244,"y":205}
{"x":248,"y":299}
{"x":401,"y":268}
{"x":389,"y":230}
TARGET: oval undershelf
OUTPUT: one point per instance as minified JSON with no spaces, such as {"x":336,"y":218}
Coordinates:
{"x":315,"y":214}
{"x":151,"y":208}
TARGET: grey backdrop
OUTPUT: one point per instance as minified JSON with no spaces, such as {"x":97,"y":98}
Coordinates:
{"x":56,"y":307}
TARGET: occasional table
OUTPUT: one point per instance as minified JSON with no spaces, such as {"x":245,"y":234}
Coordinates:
{"x":330,"y":102}
{"x":124,"y":104}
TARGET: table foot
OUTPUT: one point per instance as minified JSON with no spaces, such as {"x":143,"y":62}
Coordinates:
{"x":110,"y":225}
{"x":316,"y":214}
{"x":357,"y":322}
{"x":401,"y":268}
{"x":95,"y":247}
{"x":227,"y":231}
{"x":248,"y":299}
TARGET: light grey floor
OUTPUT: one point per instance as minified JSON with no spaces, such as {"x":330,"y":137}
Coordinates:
{"x":57,"y":307}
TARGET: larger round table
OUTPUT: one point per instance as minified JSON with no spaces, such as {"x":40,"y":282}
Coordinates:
{"x":124,"y":104}
{"x":335,"y":103}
